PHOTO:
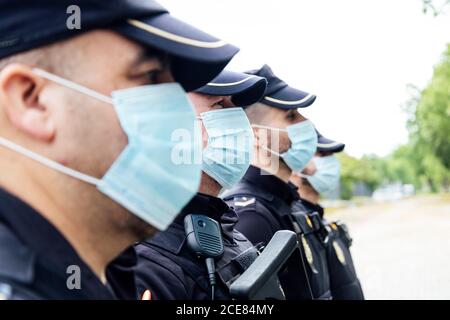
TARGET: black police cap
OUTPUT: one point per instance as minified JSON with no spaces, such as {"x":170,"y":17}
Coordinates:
{"x":279,"y":94}
{"x":325,"y":145}
{"x":244,"y":89}
{"x":197,"y":57}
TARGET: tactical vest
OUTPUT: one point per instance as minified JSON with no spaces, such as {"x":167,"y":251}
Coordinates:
{"x":307,"y":266}
{"x":344,"y":282}
{"x":314,"y":238}
{"x":237,"y":257}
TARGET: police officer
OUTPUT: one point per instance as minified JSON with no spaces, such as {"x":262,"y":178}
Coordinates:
{"x":168,"y":269}
{"x":74,"y":192}
{"x":323,"y":176}
{"x":285,"y":141}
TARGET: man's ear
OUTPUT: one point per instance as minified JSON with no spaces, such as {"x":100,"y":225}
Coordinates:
{"x":20,"y":91}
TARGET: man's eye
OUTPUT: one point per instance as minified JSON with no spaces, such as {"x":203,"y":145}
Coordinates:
{"x":220,"y":103}
{"x":153,"y":76}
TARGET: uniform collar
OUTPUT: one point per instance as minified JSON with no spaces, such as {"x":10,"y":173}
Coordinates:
{"x":272,"y":184}
{"x":52,"y":250}
{"x":313,"y":207}
{"x":214,"y":208}
{"x":210,"y":206}
{"x":173,"y":239}
{"x":307,"y":204}
{"x":121,"y":275}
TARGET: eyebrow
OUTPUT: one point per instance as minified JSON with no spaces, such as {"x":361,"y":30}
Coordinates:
{"x":147,"y":54}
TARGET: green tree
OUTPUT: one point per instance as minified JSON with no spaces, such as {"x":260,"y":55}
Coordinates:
{"x":403,"y":165}
{"x":432,"y":114}
{"x":425,"y":160}
{"x":355,"y":170}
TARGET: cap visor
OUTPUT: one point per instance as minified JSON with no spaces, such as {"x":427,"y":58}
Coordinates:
{"x":193,"y":50}
{"x":245,"y":89}
{"x":289,"y":98}
{"x":326,"y":145}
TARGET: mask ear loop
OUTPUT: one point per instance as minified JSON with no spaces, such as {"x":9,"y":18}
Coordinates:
{"x":48,"y":162}
{"x":72,"y":85}
{"x":273,"y":129}
{"x":271,"y":151}
{"x":199,"y":118}
{"x":268,"y":128}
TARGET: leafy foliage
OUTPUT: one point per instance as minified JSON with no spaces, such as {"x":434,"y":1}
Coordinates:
{"x":425,"y":160}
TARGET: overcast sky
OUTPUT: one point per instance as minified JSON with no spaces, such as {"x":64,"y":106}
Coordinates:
{"x":357,"y":56}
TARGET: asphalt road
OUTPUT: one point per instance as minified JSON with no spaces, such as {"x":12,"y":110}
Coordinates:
{"x":402,"y":249}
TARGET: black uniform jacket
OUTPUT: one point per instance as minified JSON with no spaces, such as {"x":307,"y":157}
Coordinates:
{"x":344,"y":281}
{"x":37,"y":262}
{"x":168,"y":270}
{"x":264,"y":204}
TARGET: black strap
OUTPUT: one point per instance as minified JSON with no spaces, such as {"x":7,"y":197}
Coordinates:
{"x":319,"y":227}
{"x":235,"y":267}
{"x":310,"y":222}
{"x":246,"y":258}
{"x":344,"y":233}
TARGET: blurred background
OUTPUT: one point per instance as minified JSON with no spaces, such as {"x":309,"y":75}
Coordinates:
{"x":381,"y":71}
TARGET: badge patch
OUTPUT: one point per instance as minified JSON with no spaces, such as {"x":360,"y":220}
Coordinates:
{"x":243,"y":201}
{"x":309,"y":222}
{"x":309,"y":255}
{"x":339,"y":252}
{"x":147,"y":295}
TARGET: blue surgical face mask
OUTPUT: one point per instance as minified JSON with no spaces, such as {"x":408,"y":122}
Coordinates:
{"x":144,"y":178}
{"x":326,"y":177}
{"x":230,"y":144}
{"x":303,"y":139}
